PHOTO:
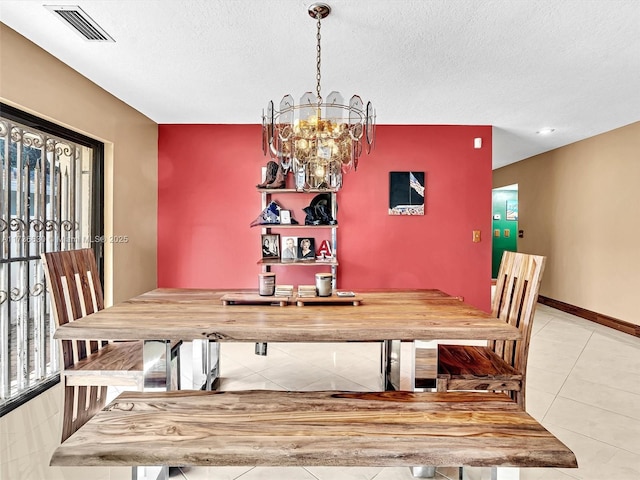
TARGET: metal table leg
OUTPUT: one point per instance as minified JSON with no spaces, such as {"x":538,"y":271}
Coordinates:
{"x":423,"y":471}
{"x":157,"y":368}
{"x":505,"y":473}
{"x":158,"y":375}
{"x":150,"y":473}
{"x":261,"y":349}
{"x":391,"y":364}
{"x":211,"y":364}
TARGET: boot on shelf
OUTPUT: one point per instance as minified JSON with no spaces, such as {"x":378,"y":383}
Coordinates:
{"x":279,"y":180}
{"x":272,"y":170}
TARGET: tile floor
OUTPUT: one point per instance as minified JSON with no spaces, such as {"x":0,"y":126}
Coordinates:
{"x":583,"y":385}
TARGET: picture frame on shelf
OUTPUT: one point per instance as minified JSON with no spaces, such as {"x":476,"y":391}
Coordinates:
{"x":270,"y":245}
{"x":306,"y":248}
{"x":285,"y":217}
{"x":289,"y":248}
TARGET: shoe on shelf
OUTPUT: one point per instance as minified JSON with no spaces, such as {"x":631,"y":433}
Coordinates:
{"x":272,"y":170}
{"x":279,"y":180}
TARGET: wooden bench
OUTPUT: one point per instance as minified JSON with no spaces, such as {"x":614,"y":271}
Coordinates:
{"x":277,"y":428}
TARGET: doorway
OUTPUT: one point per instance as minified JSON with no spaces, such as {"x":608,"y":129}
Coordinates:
{"x":504,"y":224}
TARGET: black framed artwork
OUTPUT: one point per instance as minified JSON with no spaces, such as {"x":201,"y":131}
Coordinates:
{"x":306,"y":248}
{"x":407,"y":192}
{"x":270,"y":245}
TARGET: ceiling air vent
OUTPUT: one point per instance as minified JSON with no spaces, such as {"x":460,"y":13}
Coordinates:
{"x":82,"y":23}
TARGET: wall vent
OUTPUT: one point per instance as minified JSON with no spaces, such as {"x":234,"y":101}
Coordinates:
{"x":80,"y":22}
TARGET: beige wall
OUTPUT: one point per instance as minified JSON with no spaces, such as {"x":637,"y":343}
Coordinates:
{"x":36,"y":82}
{"x":579,"y":206}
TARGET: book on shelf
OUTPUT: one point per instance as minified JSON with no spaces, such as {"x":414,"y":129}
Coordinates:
{"x":284,"y":290}
{"x":306,"y":291}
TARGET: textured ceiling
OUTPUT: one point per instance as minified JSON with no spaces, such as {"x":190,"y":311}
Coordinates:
{"x":519,"y":65}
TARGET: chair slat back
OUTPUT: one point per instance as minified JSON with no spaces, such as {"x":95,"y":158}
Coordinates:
{"x":75,"y":291}
{"x":515,"y":300}
{"x":81,"y":403}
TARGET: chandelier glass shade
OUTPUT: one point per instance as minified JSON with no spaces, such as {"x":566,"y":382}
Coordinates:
{"x":319,"y":139}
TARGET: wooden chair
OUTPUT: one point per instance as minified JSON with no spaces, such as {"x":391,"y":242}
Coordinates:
{"x":501,"y":365}
{"x":88,"y":366}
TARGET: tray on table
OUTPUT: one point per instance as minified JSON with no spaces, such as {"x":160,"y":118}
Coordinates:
{"x":332,"y":300}
{"x":245,"y":298}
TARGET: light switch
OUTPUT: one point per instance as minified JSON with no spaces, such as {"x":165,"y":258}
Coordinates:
{"x":476,"y":236}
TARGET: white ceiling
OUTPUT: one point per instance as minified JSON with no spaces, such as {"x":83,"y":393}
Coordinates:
{"x":519,"y":65}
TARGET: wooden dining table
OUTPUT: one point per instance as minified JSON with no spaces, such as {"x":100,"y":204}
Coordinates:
{"x":389,"y":316}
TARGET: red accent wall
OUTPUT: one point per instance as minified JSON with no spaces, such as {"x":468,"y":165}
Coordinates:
{"x":207,"y":199}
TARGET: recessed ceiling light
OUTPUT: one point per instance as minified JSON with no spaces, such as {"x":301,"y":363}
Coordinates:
{"x":545,"y":131}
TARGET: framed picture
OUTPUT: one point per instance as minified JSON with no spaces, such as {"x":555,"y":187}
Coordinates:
{"x":270,"y":245}
{"x":406,"y":193}
{"x":306,"y":248}
{"x":512,"y":210}
{"x":289,"y":250}
{"x":285,"y":217}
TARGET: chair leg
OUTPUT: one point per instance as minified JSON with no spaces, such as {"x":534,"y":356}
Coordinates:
{"x":518,"y":396}
{"x":442,"y":385}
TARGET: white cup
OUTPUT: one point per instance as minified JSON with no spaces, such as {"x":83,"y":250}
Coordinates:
{"x":323,"y":284}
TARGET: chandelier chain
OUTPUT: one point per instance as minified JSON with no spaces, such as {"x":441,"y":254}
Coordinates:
{"x":318,"y":52}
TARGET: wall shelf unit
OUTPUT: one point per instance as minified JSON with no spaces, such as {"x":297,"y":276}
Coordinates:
{"x":267,"y":196}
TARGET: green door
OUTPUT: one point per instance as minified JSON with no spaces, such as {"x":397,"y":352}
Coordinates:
{"x":504,"y":232}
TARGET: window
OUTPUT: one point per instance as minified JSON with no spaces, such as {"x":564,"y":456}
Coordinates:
{"x":50,"y":199}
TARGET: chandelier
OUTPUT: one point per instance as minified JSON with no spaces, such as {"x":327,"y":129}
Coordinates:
{"x":318,"y":139}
